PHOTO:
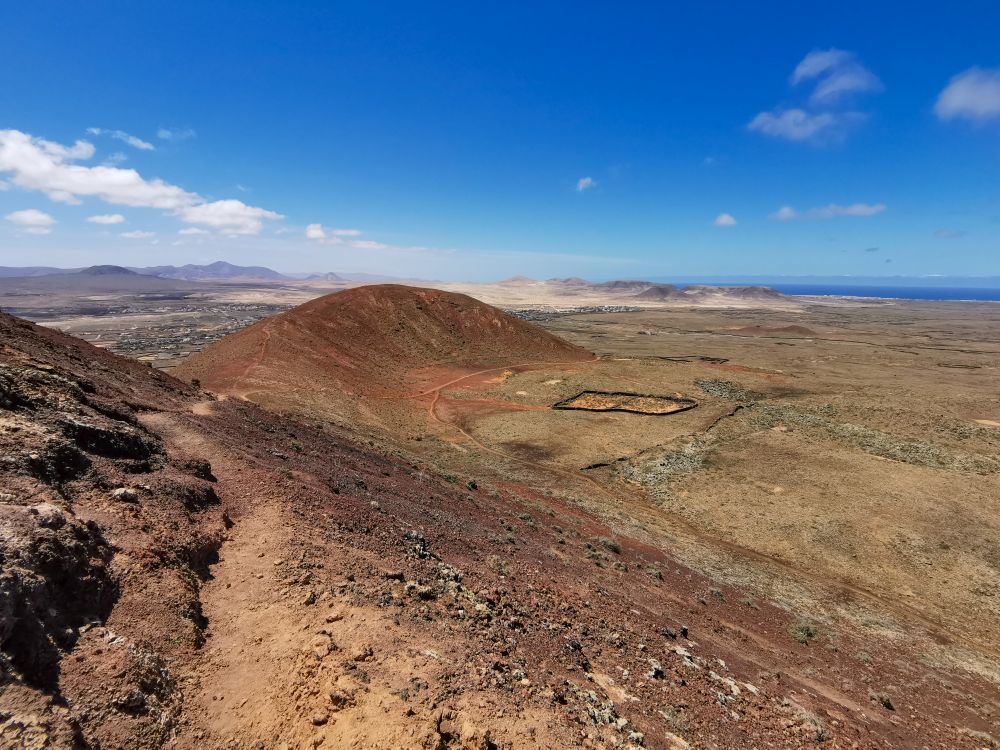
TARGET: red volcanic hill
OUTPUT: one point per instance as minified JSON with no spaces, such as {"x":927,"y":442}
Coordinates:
{"x":373,"y":340}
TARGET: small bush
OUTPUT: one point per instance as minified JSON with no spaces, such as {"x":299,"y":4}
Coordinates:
{"x":803,"y":632}
{"x":610,"y":545}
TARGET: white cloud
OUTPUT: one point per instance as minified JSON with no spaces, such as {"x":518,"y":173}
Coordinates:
{"x":799,"y":125}
{"x":325,"y":236}
{"x":830,"y":211}
{"x":138,"y":234}
{"x":106,"y":219}
{"x":36,"y":164}
{"x":950,"y":234}
{"x":124,"y":137}
{"x":30,"y":217}
{"x":972,"y":95}
{"x":837,"y":73}
{"x":44,"y":166}
{"x":179,"y":134}
{"x":834,"y":210}
{"x":4,"y":185}
{"x":187,"y":231}
{"x":368,"y":245}
{"x":228,"y":216}
{"x":585,"y":183}
{"x":725,"y":220}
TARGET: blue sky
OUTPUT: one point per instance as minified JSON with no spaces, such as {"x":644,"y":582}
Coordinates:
{"x":445,"y":140}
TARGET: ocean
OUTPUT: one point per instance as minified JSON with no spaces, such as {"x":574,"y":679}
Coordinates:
{"x":891,"y":292}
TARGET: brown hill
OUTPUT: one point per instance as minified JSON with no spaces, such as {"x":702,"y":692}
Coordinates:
{"x":373,"y":340}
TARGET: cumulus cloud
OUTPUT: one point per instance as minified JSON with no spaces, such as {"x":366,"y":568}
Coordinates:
{"x":228,"y":216}
{"x":829,"y":211}
{"x":30,"y":217}
{"x":37,"y":164}
{"x":971,"y":95}
{"x":837,"y":73}
{"x":138,"y":234}
{"x":315,"y":232}
{"x":585,"y":183}
{"x":121,"y":135}
{"x":106,"y":219}
{"x":31,"y":221}
{"x":725,"y":220}
{"x":176,"y":134}
{"x":51,"y":168}
{"x":837,"y":76}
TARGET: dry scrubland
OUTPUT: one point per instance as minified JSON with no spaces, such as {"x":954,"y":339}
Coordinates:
{"x":405,"y":545}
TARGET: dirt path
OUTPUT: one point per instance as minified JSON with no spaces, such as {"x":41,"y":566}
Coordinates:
{"x":291,"y":660}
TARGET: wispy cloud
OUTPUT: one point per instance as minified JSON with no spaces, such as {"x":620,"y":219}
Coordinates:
{"x":31,"y":221}
{"x":829,"y":211}
{"x":192,"y":231}
{"x":121,"y":135}
{"x":106,"y":219}
{"x":799,"y":125}
{"x":585,"y":183}
{"x":113,"y":160}
{"x":330,"y":236}
{"x":175,"y":134}
{"x":52,"y":168}
{"x":368,"y":245}
{"x":837,"y":76}
{"x":950,"y":234}
{"x":138,"y":234}
{"x":837,"y":73}
{"x":725,"y":220}
{"x":971,"y":95}
{"x":785,"y":213}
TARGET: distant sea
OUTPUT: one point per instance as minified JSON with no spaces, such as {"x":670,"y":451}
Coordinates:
{"x":890,"y":292}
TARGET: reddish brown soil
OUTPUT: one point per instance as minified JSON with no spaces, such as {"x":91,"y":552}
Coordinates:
{"x":372,"y":340}
{"x":273,"y":583}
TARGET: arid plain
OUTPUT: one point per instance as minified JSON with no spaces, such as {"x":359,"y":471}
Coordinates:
{"x":842,"y":459}
{"x":730,"y":516}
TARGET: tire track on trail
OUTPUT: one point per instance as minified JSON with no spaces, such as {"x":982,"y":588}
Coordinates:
{"x":259,"y":357}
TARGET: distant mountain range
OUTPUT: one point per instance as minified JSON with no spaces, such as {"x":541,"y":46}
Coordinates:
{"x":213,"y":271}
{"x":220,"y":270}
